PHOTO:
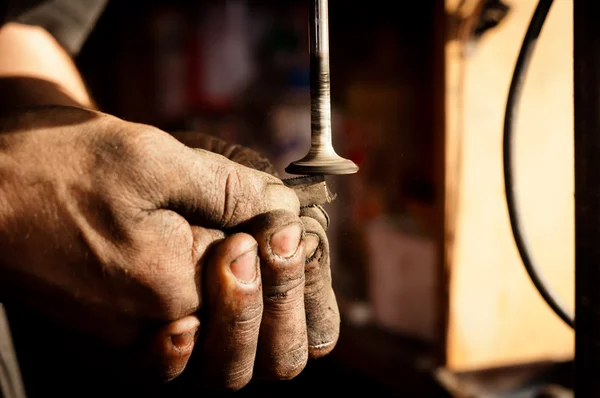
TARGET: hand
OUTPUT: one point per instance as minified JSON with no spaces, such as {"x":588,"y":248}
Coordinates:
{"x":105,"y":222}
{"x":322,"y":311}
{"x":319,"y":307}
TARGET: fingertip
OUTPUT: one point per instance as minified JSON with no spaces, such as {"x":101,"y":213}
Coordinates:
{"x":280,"y":228}
{"x":321,"y":350}
{"x":245,"y":267}
{"x":183,"y":325}
{"x":236,"y":256}
{"x":183,"y":334}
{"x":174,"y":345}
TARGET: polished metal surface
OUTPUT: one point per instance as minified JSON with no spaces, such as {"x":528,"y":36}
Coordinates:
{"x":322,"y":157}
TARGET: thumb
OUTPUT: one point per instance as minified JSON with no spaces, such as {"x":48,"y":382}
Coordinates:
{"x":213,"y":191}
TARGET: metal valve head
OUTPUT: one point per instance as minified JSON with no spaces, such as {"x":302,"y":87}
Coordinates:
{"x":321,"y":158}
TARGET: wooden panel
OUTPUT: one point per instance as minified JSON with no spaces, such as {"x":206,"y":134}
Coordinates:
{"x":496,"y":317}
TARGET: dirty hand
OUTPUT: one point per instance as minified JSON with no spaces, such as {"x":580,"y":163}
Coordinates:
{"x":320,"y":306}
{"x":105,"y":222}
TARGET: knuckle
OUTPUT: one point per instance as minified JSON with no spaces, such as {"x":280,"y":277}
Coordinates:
{"x":146,"y":144}
{"x":286,"y":296}
{"x":247,"y":324}
{"x":114,"y":146}
{"x":130,"y":139}
{"x":125,"y":152}
{"x":251,"y":158}
{"x":231,"y":182}
{"x":317,"y":277}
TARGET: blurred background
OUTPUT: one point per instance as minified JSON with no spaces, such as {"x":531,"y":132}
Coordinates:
{"x":433,"y":296}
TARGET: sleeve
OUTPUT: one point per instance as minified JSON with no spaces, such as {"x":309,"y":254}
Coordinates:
{"x":11,"y":384}
{"x":69,"y":21}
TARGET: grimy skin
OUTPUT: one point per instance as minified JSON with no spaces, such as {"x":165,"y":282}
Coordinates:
{"x":123,"y":232}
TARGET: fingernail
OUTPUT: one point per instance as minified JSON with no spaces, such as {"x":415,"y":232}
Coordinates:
{"x":311,"y":244}
{"x":244,"y":267}
{"x":184,"y":341}
{"x":285,"y":242}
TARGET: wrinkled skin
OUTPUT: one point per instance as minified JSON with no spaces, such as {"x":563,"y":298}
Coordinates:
{"x":320,"y":303}
{"x":106,"y":222}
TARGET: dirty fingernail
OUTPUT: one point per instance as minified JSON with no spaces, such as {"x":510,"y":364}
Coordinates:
{"x":185,"y":340}
{"x":285,"y":242}
{"x":244,"y":267}
{"x":311,"y":244}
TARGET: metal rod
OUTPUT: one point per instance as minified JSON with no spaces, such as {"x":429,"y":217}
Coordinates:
{"x":587,"y":197}
{"x":321,"y":157}
{"x":320,"y":83}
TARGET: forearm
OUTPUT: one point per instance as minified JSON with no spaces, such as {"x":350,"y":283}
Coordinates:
{"x":36,"y":70}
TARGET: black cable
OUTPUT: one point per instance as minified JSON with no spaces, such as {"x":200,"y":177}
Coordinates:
{"x":512,"y":104}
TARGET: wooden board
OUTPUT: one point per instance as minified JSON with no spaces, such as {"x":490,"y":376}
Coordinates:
{"x":496,"y":317}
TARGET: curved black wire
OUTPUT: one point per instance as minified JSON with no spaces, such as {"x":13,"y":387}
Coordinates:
{"x":510,"y":118}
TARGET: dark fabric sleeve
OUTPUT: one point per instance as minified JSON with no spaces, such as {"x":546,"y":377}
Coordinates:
{"x":69,"y":21}
{"x":11,"y":384}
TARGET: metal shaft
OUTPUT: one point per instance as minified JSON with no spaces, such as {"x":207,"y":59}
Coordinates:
{"x":321,"y":157}
{"x":320,"y":82}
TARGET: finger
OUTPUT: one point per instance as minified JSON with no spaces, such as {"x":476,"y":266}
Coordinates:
{"x":237,"y":153}
{"x":244,"y":156}
{"x":204,"y":241}
{"x":233,"y":313}
{"x":318,"y":213}
{"x":322,"y":313}
{"x":209,"y":189}
{"x":282,"y":350}
{"x":168,"y":255}
{"x":164,"y":351}
{"x":235,"y":193}
{"x":169,"y":349}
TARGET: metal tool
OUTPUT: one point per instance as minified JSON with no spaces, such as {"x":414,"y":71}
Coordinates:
{"x":311,"y":190}
{"x":321,"y":158}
